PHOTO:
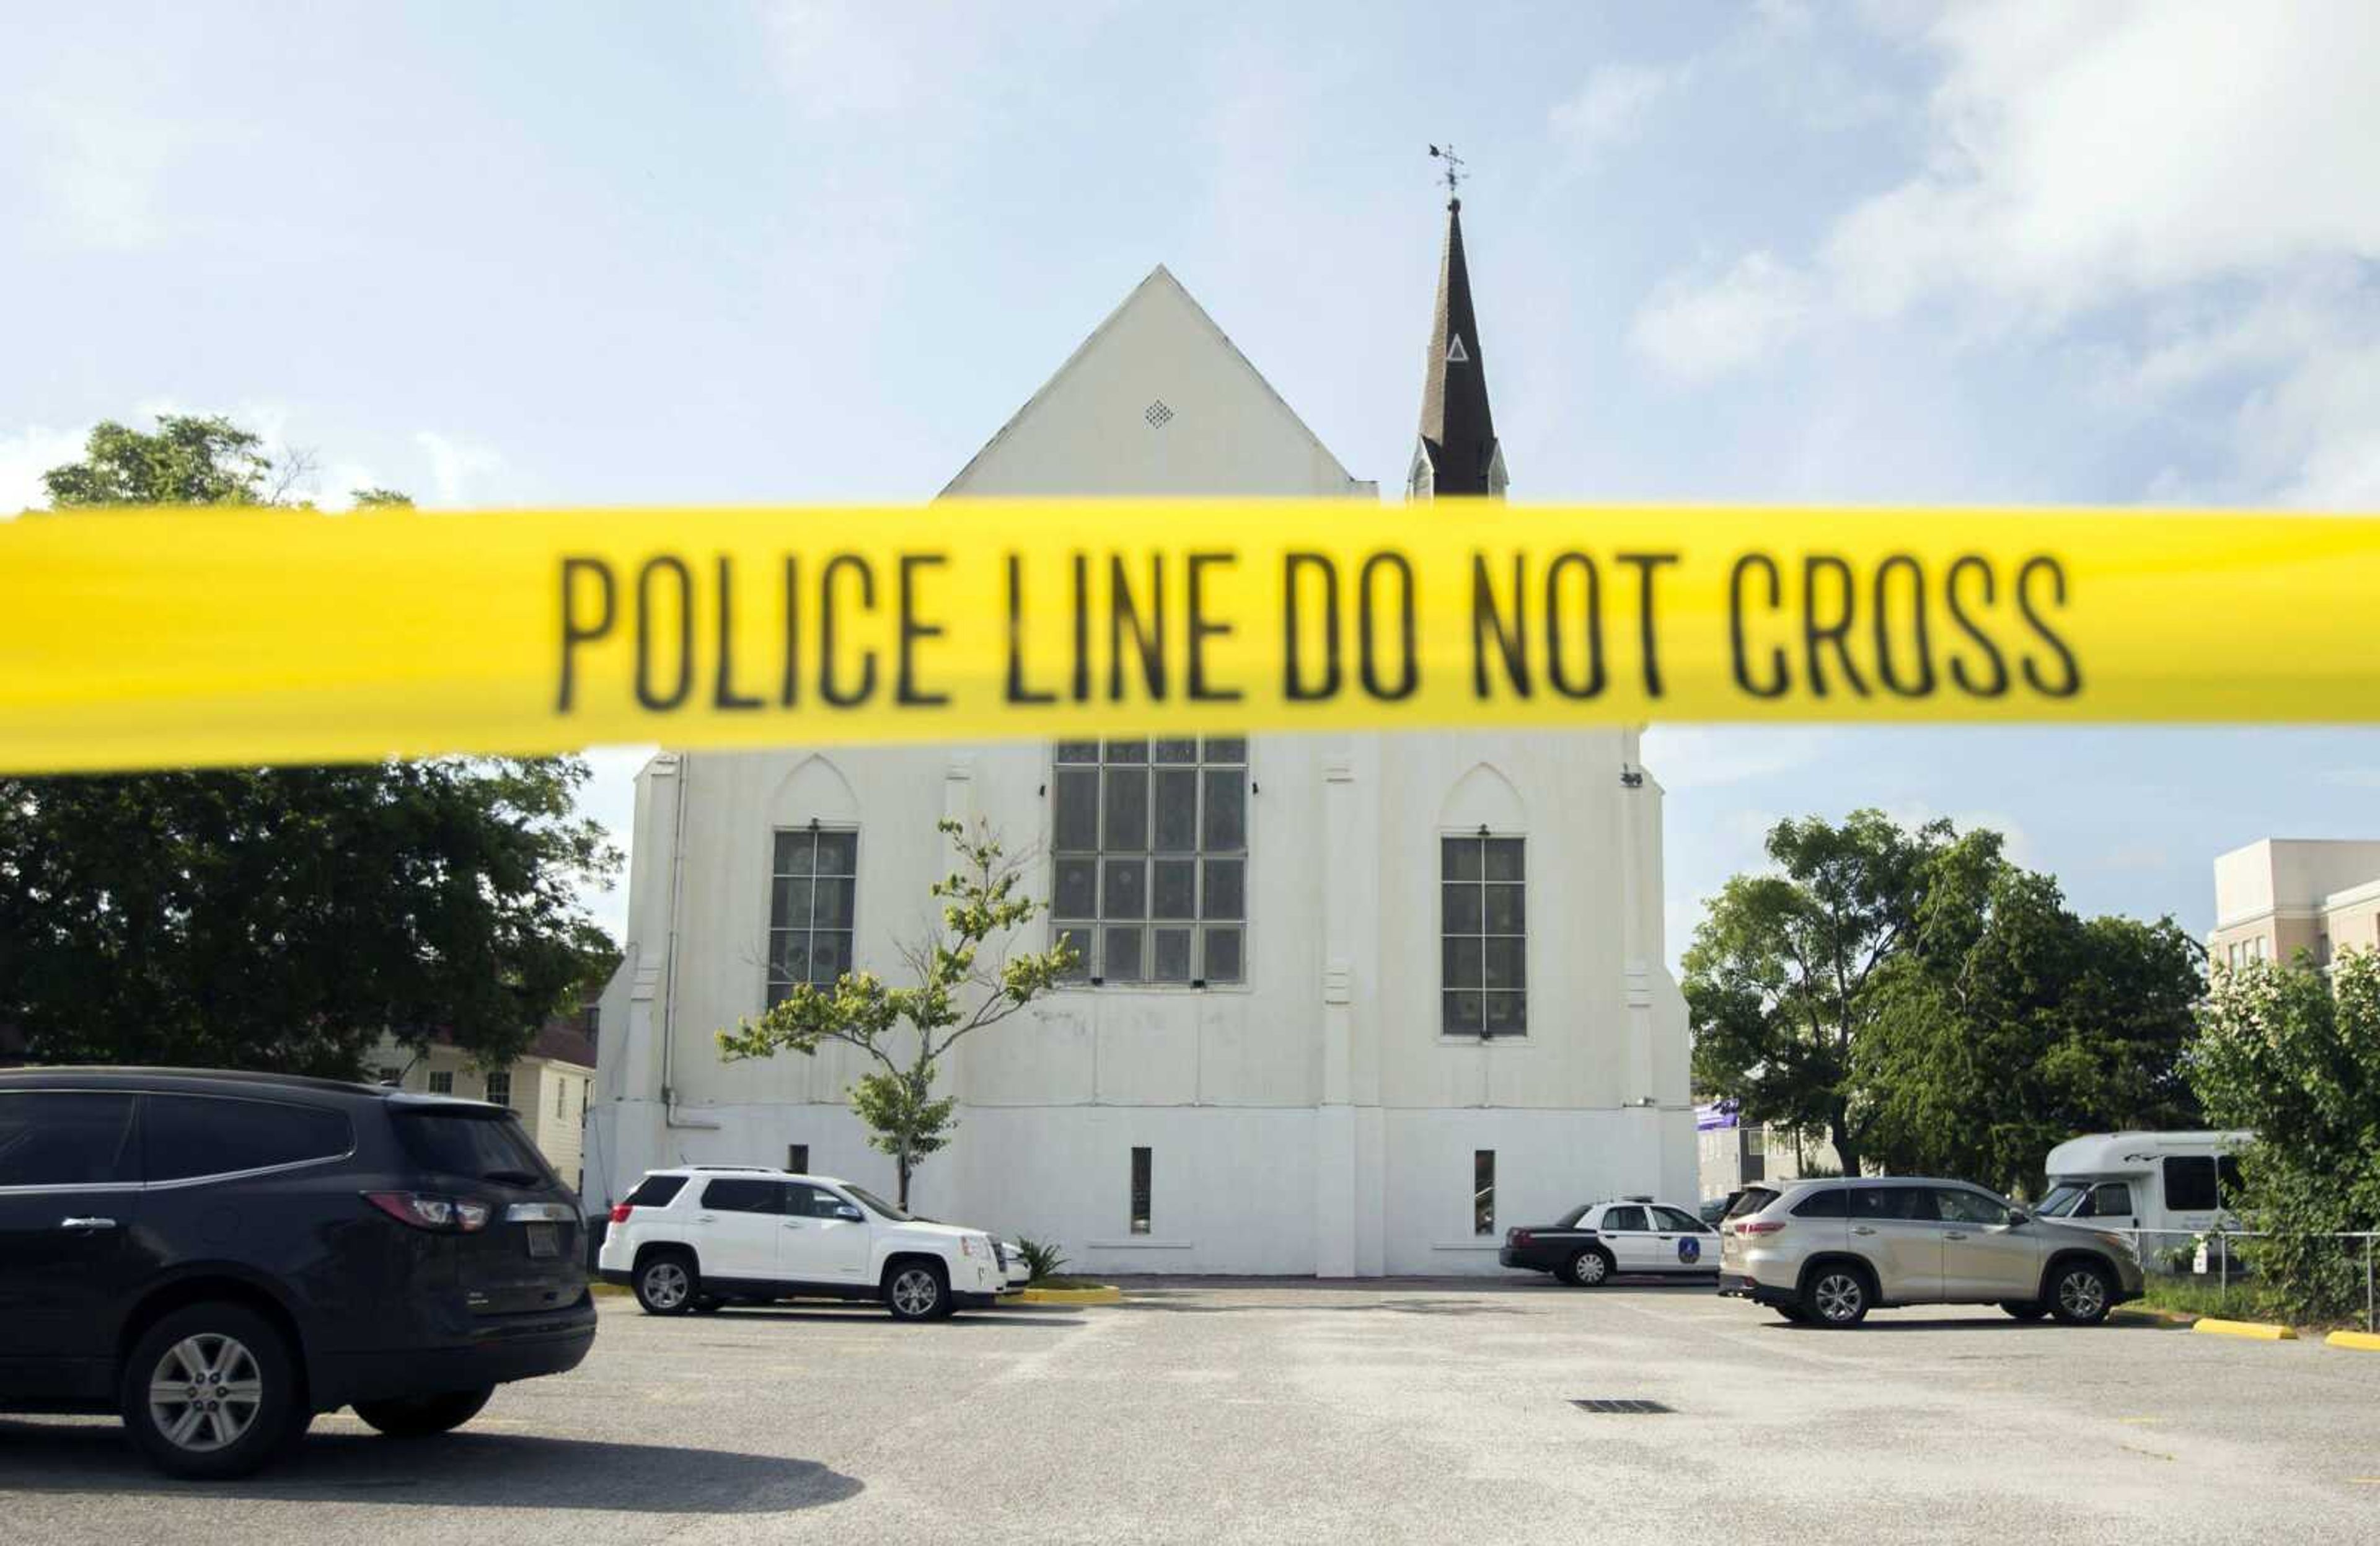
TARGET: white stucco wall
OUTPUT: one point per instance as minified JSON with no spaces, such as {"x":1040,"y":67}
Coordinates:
{"x":1311,"y":1119}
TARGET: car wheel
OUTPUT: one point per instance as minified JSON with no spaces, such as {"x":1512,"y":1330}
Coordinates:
{"x":422,"y":1415}
{"x":915,"y":1291}
{"x":2080,"y":1295}
{"x":1589,"y":1269}
{"x":1837,"y":1297}
{"x":2027,"y":1309}
{"x":212,"y":1390}
{"x":666,"y":1283}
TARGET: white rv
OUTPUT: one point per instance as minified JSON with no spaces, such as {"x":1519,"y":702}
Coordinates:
{"x":2170,"y":1186}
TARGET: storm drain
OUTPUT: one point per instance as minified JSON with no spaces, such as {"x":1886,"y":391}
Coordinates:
{"x":1621,"y":1406}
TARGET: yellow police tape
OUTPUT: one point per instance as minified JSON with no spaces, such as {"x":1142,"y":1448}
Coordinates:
{"x":151,"y":638}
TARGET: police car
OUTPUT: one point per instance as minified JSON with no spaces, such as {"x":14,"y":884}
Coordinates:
{"x":1633,"y":1234}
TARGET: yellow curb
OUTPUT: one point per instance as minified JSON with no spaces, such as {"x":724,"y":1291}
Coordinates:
{"x":2363,"y":1341}
{"x":2259,"y":1331}
{"x":1100,"y":1295}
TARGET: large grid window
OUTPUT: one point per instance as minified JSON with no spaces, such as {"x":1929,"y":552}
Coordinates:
{"x":1149,"y":855}
{"x":813,"y":886}
{"x":1483,"y":923}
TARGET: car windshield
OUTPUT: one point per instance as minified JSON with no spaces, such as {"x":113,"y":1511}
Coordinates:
{"x":486,"y":1146}
{"x":876,"y":1205}
{"x":2062,"y":1200}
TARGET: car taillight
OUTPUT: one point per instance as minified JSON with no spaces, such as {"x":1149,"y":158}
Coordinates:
{"x":620,"y":1211}
{"x":1759,"y":1226}
{"x":446,"y":1216}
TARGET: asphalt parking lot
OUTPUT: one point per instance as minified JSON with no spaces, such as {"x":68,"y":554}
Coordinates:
{"x":1405,"y":1411}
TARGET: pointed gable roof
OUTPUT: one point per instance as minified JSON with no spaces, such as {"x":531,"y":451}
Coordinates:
{"x":1158,"y":400}
{"x":1458,"y":432}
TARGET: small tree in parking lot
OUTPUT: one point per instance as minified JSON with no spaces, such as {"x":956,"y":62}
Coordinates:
{"x":965,"y":983}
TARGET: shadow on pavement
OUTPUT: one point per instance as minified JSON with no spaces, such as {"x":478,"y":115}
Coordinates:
{"x":1168,"y":1303}
{"x":1885,"y":1320}
{"x":462,"y":1470}
{"x":819,"y":1312}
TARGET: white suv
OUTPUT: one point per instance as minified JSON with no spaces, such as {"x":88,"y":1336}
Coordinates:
{"x":698,"y":1236}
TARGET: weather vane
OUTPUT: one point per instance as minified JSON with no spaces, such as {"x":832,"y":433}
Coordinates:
{"x":1454,"y":167}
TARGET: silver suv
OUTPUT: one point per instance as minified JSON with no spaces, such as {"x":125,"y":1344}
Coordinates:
{"x":1827,"y":1252}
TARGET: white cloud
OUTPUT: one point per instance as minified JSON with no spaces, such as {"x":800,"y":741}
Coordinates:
{"x":28,"y":454}
{"x":2081,"y":153}
{"x":456,"y":466}
{"x":1611,"y":107}
{"x":2092,"y":165}
{"x":1692,"y":331}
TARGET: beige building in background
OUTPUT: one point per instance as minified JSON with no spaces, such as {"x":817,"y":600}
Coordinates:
{"x":548,"y":1085}
{"x":2281,"y":897}
{"x":1731,"y":1157}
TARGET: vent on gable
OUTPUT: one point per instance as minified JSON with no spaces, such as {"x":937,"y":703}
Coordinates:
{"x":1456,"y":354}
{"x":1157,"y":414}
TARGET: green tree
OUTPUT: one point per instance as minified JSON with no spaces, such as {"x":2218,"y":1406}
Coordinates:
{"x":283,"y":917}
{"x":189,"y":461}
{"x":1931,"y":1008}
{"x":2296,"y":1058}
{"x":964,"y":983}
{"x":1781,"y":980}
{"x":2010,"y":1025}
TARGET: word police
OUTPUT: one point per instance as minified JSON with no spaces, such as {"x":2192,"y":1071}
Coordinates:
{"x":847,"y":631}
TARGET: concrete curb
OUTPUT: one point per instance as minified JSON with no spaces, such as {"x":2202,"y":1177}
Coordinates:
{"x":1100,"y":1295}
{"x":2256,"y":1331}
{"x":2360,"y":1341}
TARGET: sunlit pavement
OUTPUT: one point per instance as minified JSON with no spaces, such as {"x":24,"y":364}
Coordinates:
{"x":1412,"y":1410}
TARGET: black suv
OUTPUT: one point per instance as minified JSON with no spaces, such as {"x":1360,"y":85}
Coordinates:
{"x":218,"y":1257}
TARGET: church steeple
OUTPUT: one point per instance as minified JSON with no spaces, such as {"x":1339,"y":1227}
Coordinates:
{"x":1458,"y":454}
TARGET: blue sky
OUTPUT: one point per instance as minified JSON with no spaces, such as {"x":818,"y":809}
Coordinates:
{"x":1781,"y":251}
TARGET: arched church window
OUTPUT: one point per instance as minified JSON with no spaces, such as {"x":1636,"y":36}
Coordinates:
{"x":813,"y":894}
{"x":1483,"y":928}
{"x":1149,"y":855}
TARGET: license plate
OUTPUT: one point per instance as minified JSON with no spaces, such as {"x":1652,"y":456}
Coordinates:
{"x":544,"y":1239}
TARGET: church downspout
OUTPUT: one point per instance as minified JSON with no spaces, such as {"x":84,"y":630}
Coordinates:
{"x":670,"y":1112}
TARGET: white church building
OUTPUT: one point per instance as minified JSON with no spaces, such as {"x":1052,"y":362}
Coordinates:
{"x":1349,"y":1005}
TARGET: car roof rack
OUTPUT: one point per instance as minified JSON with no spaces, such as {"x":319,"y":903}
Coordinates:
{"x":756,"y":1170}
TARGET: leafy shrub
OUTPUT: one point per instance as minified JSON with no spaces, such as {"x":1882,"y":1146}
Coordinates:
{"x":2297,"y":1058}
{"x":1042,"y":1258}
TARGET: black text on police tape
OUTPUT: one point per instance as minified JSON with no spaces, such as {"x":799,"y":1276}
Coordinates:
{"x":852,"y":629}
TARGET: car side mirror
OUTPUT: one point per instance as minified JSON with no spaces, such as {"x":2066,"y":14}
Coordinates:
{"x":850,"y":1214}
{"x":2015,"y":1219}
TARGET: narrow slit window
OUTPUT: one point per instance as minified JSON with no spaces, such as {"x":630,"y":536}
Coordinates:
{"x":1140,"y":1191}
{"x":1483,"y":1191}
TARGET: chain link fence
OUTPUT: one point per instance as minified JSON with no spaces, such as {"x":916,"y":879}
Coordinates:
{"x":2212,"y":1260}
